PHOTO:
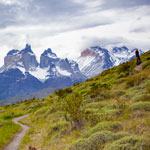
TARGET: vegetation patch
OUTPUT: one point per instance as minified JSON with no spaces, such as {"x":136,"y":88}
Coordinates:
{"x":136,"y":80}
{"x":96,"y":141}
{"x":140,"y":106}
{"x":106,"y":125}
{"x":147,"y":65}
{"x":128,"y":143}
{"x":7,"y":130}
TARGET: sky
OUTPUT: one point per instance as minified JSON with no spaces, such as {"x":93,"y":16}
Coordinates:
{"x":70,"y":26}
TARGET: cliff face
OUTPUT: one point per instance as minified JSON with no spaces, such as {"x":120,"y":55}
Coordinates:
{"x":24,"y":58}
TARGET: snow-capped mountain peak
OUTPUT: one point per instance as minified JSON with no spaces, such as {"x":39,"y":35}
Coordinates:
{"x":13,"y":52}
{"x":49,"y":53}
{"x":96,"y":59}
{"x":24,"y":60}
{"x":27,"y":49}
{"x":120,"y":49}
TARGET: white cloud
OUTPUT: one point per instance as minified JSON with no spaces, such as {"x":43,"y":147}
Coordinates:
{"x":10,"y":2}
{"x":72,"y":26}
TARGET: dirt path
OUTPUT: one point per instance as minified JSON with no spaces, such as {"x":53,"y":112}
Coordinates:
{"x":16,"y":141}
{"x":139,"y":67}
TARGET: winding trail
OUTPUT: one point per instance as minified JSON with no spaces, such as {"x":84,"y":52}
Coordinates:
{"x":16,"y":141}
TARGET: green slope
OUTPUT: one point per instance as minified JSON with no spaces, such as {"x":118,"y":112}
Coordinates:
{"x":108,"y":112}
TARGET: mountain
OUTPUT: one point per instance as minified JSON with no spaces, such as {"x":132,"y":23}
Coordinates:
{"x":21,"y":74}
{"x":108,"y":112}
{"x":94,"y":60}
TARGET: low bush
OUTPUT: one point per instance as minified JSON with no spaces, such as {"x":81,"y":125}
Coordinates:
{"x":109,"y":109}
{"x":94,"y":105}
{"x":140,"y":106}
{"x":73,"y":110}
{"x":126,"y":67}
{"x":80,"y":144}
{"x":119,"y":135}
{"x":59,"y":126}
{"x":147,"y":65}
{"x":118,"y":93}
{"x":145,"y":98}
{"x":63,"y":92}
{"x":106,"y":125}
{"x":95,"y":142}
{"x":148,"y":88}
{"x":128,"y":143}
{"x":108,"y":71}
{"x":42,"y":110}
{"x":136,"y":79}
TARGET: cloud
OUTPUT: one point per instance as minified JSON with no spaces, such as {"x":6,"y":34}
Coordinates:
{"x":70,"y":26}
{"x":9,"y":2}
{"x":124,"y":4}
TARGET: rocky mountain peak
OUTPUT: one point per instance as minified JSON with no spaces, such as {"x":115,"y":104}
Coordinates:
{"x":48,"y":53}
{"x":99,"y":50}
{"x":27,"y":49}
{"x":13,"y":52}
{"x":25,"y":59}
{"x":88,"y":52}
{"x":120,"y":49}
{"x":47,"y":58}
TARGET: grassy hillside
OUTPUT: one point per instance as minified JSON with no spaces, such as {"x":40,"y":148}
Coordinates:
{"x":108,"y":112}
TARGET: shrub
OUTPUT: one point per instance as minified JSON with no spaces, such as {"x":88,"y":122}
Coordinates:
{"x":95,"y":105}
{"x":76,"y":84}
{"x":126,"y":67}
{"x":63,"y":92}
{"x":147,"y":65}
{"x":93,"y":118}
{"x":109,"y":109}
{"x":120,"y":135}
{"x":127,"y":143}
{"x":99,"y":86}
{"x":138,"y":97}
{"x":148,"y":88}
{"x":72,"y":106}
{"x":97,"y":140}
{"x":122,"y":75}
{"x":42,"y":110}
{"x":118,"y":93}
{"x":58,"y":126}
{"x":94,"y":142}
{"x":140,"y":106}
{"x":136,"y":80}
{"x":106,"y":125}
{"x":108,"y":71}
{"x":145,"y":97}
{"x":80,"y":144}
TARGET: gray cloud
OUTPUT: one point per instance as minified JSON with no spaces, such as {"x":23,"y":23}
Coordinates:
{"x":49,"y":11}
{"x":34,"y":11}
{"x":73,"y":24}
{"x":124,"y":4}
{"x":104,"y":42}
{"x":56,"y":7}
{"x":7,"y":16}
{"x":140,"y":29}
